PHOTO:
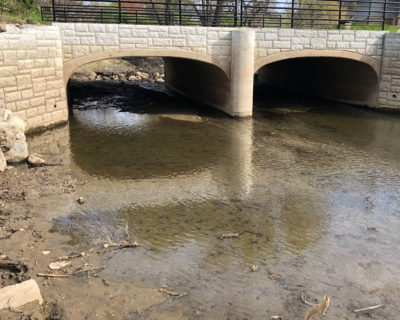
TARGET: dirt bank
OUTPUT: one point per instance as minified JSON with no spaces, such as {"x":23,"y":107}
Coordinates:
{"x":28,"y":246}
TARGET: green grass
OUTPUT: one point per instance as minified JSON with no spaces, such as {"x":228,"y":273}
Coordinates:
{"x":377,"y":28}
{"x":20,"y":11}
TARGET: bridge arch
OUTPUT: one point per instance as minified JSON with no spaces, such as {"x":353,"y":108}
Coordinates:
{"x":313,"y":53}
{"x":334,"y":74}
{"x":71,"y":65}
{"x":198,"y":76}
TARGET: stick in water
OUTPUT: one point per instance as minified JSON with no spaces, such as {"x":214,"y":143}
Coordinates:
{"x":369,"y":308}
{"x":50,"y":275}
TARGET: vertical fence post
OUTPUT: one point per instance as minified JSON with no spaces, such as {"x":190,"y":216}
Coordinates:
{"x":119,"y":12}
{"x":235,"y":11}
{"x":241,"y":13}
{"x":292,"y":16}
{"x":340,"y":14}
{"x":384,"y":15}
{"x":54,"y":9}
{"x":180,"y":12}
{"x":369,"y":11}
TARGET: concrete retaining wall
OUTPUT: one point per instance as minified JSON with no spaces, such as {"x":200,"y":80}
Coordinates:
{"x":31,"y":75}
{"x":389,"y":91}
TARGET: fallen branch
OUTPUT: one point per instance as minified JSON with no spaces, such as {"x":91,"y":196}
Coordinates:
{"x":369,"y":308}
{"x":173,"y":294}
{"x":47,"y":165}
{"x":80,"y":271}
{"x":117,"y":246}
{"x":50,"y":275}
{"x":318,"y":308}
{"x":72,"y":256}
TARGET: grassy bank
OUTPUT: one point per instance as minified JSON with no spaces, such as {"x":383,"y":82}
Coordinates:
{"x":21,"y":11}
{"x":377,"y":28}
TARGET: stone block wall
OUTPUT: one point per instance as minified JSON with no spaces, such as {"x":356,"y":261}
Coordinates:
{"x":273,"y":40}
{"x":31,"y":76}
{"x":389,"y":91}
{"x":81,"y":39}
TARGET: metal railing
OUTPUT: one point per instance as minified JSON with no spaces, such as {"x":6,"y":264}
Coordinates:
{"x":324,"y":14}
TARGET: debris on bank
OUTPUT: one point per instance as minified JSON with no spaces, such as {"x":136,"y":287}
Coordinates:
{"x":172,"y":294}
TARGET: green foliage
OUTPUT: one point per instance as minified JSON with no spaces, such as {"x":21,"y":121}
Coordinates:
{"x":23,"y":11}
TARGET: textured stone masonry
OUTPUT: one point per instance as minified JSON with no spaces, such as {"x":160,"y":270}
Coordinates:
{"x":273,"y":40}
{"x":80,"y":39}
{"x":389,"y":91}
{"x":31,"y":75}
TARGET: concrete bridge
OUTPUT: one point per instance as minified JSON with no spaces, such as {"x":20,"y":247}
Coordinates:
{"x":210,"y":64}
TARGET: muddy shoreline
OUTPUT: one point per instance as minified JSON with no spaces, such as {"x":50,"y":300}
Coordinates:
{"x":29,"y":242}
{"x":28,"y":246}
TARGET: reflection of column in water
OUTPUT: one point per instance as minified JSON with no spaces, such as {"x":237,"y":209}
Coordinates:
{"x":236,"y":172}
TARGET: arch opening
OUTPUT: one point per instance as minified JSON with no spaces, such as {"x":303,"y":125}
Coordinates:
{"x":353,"y":81}
{"x":197,"y":80}
{"x":71,"y":65}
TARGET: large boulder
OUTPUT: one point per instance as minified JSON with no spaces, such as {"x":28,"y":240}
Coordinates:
{"x":16,"y":123}
{"x":3,"y":162}
{"x":17,"y":295}
{"x":12,"y":137}
{"x":7,"y":136}
{"x":18,"y":153}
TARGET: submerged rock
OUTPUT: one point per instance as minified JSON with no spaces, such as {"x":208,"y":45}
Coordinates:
{"x":18,"y":153}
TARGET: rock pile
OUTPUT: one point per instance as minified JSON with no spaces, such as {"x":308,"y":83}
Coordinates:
{"x":135,"y":75}
{"x":13,"y":147}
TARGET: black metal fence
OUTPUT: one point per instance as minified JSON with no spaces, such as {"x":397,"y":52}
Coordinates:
{"x":324,"y":14}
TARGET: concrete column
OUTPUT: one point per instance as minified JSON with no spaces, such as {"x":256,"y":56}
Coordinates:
{"x":242,"y":72}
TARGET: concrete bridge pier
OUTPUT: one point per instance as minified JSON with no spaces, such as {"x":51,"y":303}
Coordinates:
{"x":242,"y":72}
{"x":229,"y":90}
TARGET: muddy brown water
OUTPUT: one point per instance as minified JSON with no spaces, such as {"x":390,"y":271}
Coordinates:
{"x":312,"y":187}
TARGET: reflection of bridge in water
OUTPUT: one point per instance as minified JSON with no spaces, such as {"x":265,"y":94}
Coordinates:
{"x":170,"y":170}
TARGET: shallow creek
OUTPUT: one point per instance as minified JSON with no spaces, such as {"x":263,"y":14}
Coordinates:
{"x":312,"y":188}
